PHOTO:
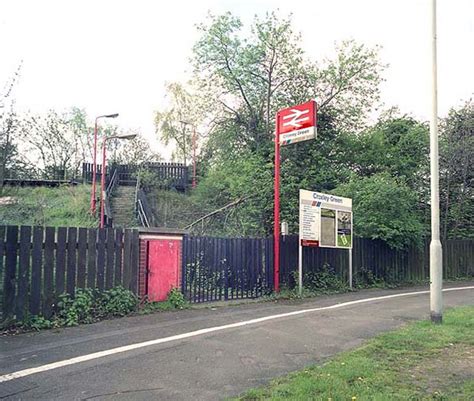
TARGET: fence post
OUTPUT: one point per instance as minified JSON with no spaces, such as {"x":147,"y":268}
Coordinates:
{"x":9,"y":285}
{"x":226,"y":271}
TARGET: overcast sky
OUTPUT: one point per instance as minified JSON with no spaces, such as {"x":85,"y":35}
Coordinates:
{"x":116,"y":55}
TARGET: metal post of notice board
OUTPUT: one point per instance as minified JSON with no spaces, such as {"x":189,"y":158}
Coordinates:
{"x":300,"y":268}
{"x":350,"y":267}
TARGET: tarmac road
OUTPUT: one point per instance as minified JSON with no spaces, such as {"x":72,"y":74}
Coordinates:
{"x":231,"y":356}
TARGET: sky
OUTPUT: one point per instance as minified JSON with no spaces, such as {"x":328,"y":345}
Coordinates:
{"x":115,"y":56}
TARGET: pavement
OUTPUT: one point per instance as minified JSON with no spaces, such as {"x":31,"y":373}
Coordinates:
{"x":209,"y":364}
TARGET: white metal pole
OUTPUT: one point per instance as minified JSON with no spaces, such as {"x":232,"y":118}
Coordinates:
{"x":436,"y":252}
{"x":350,"y":268}
{"x":300,"y":268}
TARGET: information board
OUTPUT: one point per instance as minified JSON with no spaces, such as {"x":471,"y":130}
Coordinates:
{"x":325,"y":220}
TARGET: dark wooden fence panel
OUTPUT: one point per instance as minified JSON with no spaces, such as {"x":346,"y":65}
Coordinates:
{"x":3,"y":230}
{"x":101,"y":259}
{"x":224,"y":268}
{"x":24,"y":272}
{"x":48,"y":269}
{"x":9,"y":285}
{"x":109,"y":271}
{"x":118,"y":256}
{"x":61,"y":243}
{"x":231,"y":268}
{"x":71,"y":260}
{"x":36,"y":273}
{"x":127,"y":252}
{"x":374,"y":260}
{"x":81,"y":257}
{"x":42,"y":263}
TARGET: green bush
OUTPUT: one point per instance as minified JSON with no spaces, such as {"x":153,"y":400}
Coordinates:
{"x":118,"y":302}
{"x":175,"y":300}
{"x":88,"y":306}
{"x":365,"y":278}
{"x":37,"y":323}
{"x":80,"y":309}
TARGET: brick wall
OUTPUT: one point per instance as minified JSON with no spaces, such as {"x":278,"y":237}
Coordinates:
{"x":142,"y":276}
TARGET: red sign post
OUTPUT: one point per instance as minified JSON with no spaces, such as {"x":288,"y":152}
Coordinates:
{"x":293,"y":124}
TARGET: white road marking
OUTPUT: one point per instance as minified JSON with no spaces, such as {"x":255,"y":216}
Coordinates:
{"x":125,"y":348}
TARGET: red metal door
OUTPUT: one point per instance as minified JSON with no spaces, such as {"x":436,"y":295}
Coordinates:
{"x":163,"y":267}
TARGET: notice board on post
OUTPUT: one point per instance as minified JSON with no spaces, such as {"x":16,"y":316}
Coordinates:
{"x":325,"y":220}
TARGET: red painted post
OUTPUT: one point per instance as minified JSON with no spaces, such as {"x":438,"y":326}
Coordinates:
{"x":102,"y":184}
{"x":276,"y":221}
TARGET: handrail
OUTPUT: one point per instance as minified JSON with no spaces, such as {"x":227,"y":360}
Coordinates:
{"x":142,"y":215}
{"x":137,"y":187}
{"x":107,"y":195}
{"x":112,"y":182}
{"x":142,"y":210}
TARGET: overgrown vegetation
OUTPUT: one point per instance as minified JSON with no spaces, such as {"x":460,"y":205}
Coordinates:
{"x":91,"y":305}
{"x":418,"y":362}
{"x":66,"y":206}
{"x":174,"y":300}
{"x":87,"y":306}
{"x":243,"y":75}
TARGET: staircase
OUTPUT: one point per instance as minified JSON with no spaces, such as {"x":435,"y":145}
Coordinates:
{"x":123,"y":206}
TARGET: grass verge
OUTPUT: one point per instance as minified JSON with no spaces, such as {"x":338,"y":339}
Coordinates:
{"x":417,"y":362}
{"x":66,"y":206}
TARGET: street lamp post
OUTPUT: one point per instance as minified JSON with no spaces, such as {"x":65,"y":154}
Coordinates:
{"x":94,"y":163}
{"x":436,"y":250}
{"x":102,"y":178}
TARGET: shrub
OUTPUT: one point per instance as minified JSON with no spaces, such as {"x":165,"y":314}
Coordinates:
{"x":89,"y":305}
{"x":175,"y":300}
{"x":118,"y":302}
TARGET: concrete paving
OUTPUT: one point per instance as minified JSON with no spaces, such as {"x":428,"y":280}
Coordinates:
{"x":206,"y":367}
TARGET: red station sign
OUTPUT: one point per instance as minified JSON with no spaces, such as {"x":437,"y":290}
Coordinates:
{"x":297,"y":123}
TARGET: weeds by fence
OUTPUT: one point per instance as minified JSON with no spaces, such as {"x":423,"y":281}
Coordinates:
{"x":41,"y":263}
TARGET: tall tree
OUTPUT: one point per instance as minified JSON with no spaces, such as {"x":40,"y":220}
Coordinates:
{"x":133,"y":152}
{"x":9,"y":156}
{"x":250,"y":77}
{"x":58,"y":141}
{"x":457,"y":172}
{"x":178,"y":122}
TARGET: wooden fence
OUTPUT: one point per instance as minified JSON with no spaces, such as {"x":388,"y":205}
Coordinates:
{"x":229,"y":268}
{"x":87,"y":172}
{"x":172,"y":175}
{"x":225,"y":268}
{"x":38,"y":264}
{"x":374,"y":259}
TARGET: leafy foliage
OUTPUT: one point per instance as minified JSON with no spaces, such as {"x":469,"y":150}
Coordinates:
{"x":457,"y":172}
{"x":87,"y":306}
{"x":174,"y":300}
{"x":242,"y":77}
{"x":384,"y":208}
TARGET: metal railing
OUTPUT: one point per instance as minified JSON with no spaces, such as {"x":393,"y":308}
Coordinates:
{"x":112,"y":183}
{"x":142,"y":209}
